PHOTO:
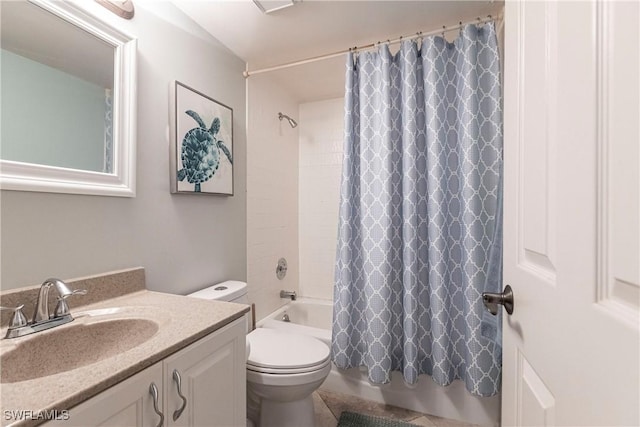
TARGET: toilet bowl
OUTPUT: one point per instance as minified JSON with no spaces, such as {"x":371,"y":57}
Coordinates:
{"x":283,"y":369}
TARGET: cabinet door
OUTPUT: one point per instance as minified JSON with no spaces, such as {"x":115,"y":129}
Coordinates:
{"x":128,"y":403}
{"x":213,"y":380}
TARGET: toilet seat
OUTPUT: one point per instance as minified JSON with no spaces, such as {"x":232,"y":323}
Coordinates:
{"x":274,"y":352}
{"x":288,"y":379}
{"x":285,"y":371}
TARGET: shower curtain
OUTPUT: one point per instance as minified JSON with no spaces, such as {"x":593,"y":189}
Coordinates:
{"x":420,"y":227}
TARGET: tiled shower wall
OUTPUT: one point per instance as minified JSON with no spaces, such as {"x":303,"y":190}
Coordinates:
{"x":272,"y":193}
{"x":321,"y":137}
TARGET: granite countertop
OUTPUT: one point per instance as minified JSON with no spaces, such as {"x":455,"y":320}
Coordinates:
{"x":181,"y":321}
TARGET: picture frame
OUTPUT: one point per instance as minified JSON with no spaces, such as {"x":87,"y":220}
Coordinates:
{"x":201,"y":143}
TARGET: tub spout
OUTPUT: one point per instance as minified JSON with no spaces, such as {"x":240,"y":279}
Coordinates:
{"x":288,"y":294}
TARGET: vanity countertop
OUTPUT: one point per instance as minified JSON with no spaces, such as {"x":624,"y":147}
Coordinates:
{"x":182,"y":321}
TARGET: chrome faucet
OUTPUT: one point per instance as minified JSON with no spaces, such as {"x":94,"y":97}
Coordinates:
{"x":288,"y":294}
{"x":42,"y":306}
{"x":42,"y":319}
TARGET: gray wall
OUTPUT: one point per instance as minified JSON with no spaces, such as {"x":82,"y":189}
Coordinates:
{"x":183,"y":241}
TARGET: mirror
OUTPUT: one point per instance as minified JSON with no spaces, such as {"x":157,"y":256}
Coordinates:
{"x":68,"y":101}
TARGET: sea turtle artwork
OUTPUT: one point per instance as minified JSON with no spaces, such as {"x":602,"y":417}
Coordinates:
{"x":201,"y":152}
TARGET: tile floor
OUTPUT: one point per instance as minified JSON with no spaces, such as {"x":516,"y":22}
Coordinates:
{"x":328,"y":406}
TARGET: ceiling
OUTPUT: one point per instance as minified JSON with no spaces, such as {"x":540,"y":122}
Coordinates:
{"x":316,"y":27}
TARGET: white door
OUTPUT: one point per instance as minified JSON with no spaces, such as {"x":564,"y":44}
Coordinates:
{"x":571,"y":227}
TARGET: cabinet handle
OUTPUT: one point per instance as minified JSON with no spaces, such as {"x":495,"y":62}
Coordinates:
{"x":178,"y":380}
{"x":154,"y":392}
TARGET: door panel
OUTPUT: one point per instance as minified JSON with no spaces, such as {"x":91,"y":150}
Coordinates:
{"x":571,"y":251}
{"x":535,"y":403}
{"x":536,"y":206}
{"x":618,"y":197}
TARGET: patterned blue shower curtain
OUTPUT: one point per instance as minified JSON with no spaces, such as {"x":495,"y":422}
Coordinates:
{"x":420,"y":193}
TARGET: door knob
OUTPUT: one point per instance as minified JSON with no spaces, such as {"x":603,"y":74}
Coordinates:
{"x":491,"y":300}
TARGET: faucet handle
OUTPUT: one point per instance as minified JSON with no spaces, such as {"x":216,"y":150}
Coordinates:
{"x":62,"y":308}
{"x":18,"y":320}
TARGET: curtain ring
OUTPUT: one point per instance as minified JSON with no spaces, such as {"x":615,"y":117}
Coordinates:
{"x":444,"y":28}
{"x":355,"y":55}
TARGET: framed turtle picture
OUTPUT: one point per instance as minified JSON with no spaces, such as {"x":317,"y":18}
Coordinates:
{"x":202,"y":143}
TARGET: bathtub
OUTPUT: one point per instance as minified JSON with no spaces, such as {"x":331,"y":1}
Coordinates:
{"x":313,"y":317}
{"x":308,"y":317}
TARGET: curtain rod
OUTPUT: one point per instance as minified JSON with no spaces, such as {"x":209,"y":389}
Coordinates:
{"x":442,"y":30}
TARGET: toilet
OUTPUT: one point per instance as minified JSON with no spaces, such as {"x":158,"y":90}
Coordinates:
{"x":283,"y":369}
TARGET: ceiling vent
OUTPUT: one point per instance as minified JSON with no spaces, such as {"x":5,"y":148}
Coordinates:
{"x":268,"y":6}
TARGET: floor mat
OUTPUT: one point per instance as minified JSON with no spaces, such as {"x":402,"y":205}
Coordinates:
{"x":354,"y":419}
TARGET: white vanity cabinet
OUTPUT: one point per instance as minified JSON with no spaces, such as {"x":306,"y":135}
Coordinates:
{"x":212,"y":375}
{"x":128,"y":403}
{"x":212,"y":381}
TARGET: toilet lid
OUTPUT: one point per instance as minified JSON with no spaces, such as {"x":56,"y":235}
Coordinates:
{"x":277,"y":350}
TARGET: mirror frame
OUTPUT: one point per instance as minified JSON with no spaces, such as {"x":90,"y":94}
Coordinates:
{"x":122,"y":181}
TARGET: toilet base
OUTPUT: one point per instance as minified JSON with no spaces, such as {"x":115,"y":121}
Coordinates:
{"x":298,"y":413}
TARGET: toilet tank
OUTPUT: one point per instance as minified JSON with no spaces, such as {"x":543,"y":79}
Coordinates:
{"x":229,"y":291}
